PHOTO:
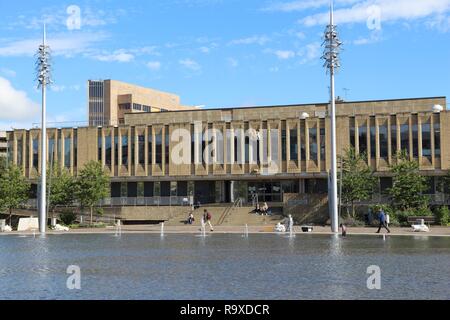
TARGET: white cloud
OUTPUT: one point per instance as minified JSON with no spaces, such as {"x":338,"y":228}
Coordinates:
{"x":15,"y":105}
{"x":116,"y":56}
{"x":310,"y":52}
{"x":205,"y":49}
{"x":62,"y":88}
{"x":190,"y":64}
{"x":259,"y":40}
{"x":390,"y":11}
{"x":8,"y":72}
{"x":154,"y":65}
{"x":301,"y":5}
{"x":66,"y":44}
{"x":233,"y":62}
{"x":284,"y":54}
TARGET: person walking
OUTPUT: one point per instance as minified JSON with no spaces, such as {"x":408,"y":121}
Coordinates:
{"x":382,"y":219}
{"x":207,"y":218}
{"x":344,"y":230}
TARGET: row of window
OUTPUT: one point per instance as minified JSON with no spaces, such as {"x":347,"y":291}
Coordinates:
{"x":135,"y":106}
{"x":404,"y":137}
{"x":199,"y":152}
{"x":55,"y":150}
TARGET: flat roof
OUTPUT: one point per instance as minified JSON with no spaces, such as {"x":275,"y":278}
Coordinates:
{"x":298,"y":105}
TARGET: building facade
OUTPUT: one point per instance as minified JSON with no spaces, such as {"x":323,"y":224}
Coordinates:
{"x":109,"y":100}
{"x":3,"y":144}
{"x":219,"y":155}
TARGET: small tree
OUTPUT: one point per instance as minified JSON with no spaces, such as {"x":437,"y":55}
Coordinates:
{"x":358,"y":180}
{"x":444,"y":185}
{"x":14,"y":189}
{"x":60,"y":187}
{"x":92,"y":185}
{"x":408,"y":185}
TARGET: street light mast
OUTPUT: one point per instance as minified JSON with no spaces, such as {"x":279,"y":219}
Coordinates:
{"x":43,"y":69}
{"x":331,"y":56}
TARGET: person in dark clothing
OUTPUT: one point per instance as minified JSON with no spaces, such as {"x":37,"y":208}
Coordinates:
{"x":382,"y":219}
{"x":344,"y":230}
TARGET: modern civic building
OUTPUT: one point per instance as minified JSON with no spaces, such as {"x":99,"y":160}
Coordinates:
{"x":3,"y":144}
{"x":219,"y":155}
{"x":109,"y":100}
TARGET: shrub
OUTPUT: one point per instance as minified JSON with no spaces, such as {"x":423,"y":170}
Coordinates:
{"x":68,"y":217}
{"x":442,"y":215}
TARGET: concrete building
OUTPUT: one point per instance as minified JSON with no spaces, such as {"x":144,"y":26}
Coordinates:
{"x":270,"y":153}
{"x":109,"y":100}
{"x":3,"y":144}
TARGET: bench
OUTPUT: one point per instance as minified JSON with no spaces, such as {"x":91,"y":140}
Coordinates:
{"x":426,"y":219}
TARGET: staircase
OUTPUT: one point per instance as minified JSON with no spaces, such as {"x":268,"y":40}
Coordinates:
{"x":231,"y":215}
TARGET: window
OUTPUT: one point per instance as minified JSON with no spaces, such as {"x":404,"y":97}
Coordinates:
{"x":125,"y":106}
{"x":108,"y":150}
{"x":415,"y":137}
{"x":274,"y":144}
{"x":313,"y":144}
{"x":141,"y":149}
{"x":247,"y":148}
{"x":51,"y":150}
{"x":373,"y":141}
{"x":393,"y":136}
{"x":67,"y":143}
{"x":322,"y":141}
{"x":383,"y":139}
{"x":158,"y":147}
{"x":149,"y":143}
{"x":146,"y":108}
{"x":192,"y":144}
{"x":116,"y":150}
{"x":19,"y":152}
{"x":362,"y":131}
{"x":167,"y":145}
{"x":437,"y":136}
{"x":99,"y":146}
{"x":125,"y":150}
{"x":404,"y":137}
{"x":283,"y":144}
{"x":426,"y":139}
{"x":352,"y":132}
{"x":293,"y":144}
{"x":137,"y":106}
{"x":75,"y":148}
{"x":35,"y":153}
{"x":302,"y":142}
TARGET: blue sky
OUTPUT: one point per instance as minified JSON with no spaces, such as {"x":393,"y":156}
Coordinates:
{"x":221,"y":53}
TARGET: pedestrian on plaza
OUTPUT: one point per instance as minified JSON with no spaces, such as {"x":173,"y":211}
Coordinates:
{"x":207,"y":218}
{"x":382,"y":219}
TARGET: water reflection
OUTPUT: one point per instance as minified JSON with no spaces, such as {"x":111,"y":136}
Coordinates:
{"x":223,"y":266}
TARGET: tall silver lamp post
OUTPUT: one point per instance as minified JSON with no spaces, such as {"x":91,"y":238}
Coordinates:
{"x":331,"y":56}
{"x":43,"y":77}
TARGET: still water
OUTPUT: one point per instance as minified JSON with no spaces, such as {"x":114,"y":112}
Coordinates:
{"x":224,"y":266}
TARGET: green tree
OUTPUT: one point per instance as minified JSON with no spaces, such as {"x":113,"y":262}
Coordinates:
{"x":408,"y":185}
{"x":358,"y":180}
{"x":444,"y":184}
{"x":14,"y":189}
{"x":92,"y":185}
{"x":60,"y":187}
